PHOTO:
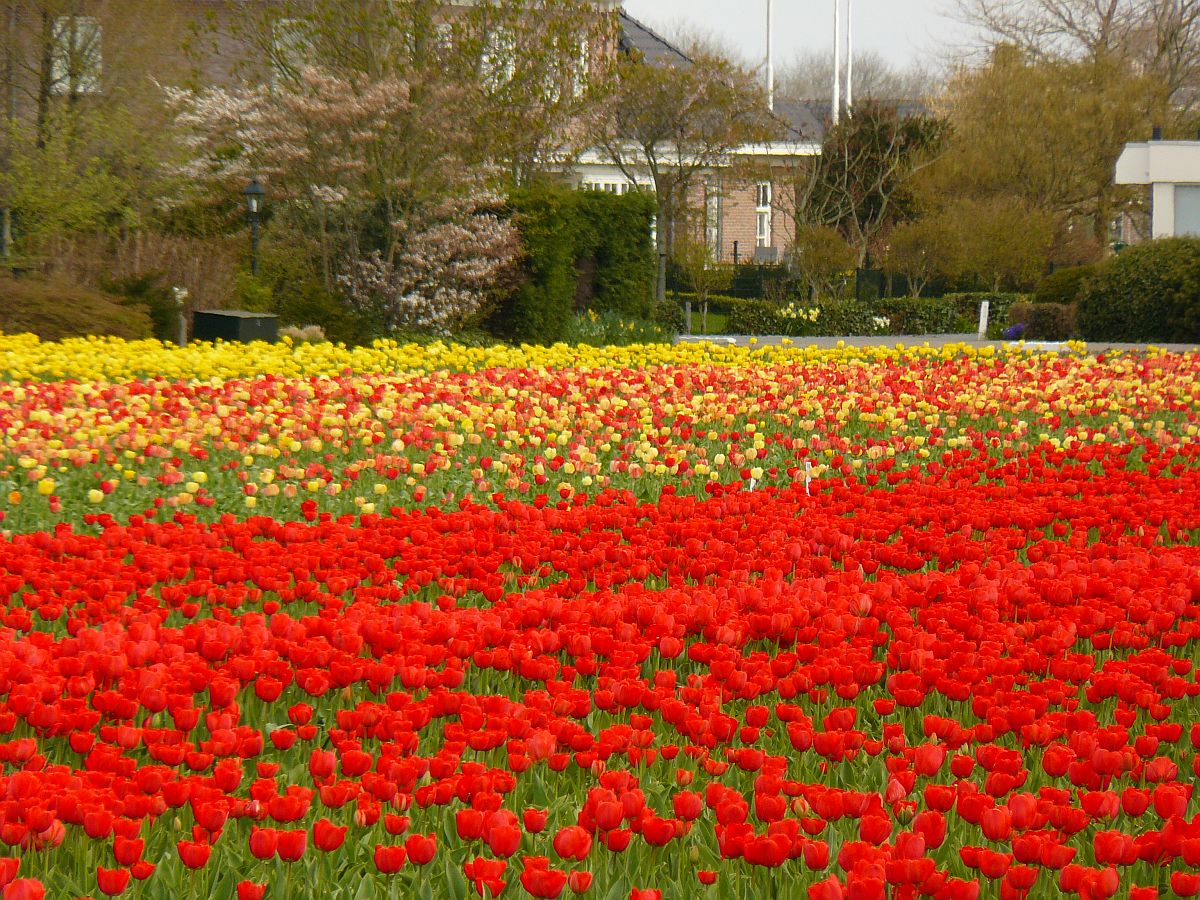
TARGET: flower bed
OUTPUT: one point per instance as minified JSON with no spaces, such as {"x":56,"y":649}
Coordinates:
{"x":927,"y":627}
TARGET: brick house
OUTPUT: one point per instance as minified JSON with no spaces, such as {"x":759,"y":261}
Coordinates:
{"x":744,"y":221}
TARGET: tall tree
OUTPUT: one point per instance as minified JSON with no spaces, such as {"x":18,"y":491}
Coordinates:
{"x":1160,"y":38}
{"x":671,"y":123}
{"x":83,"y":121}
{"x":862,"y":181}
{"x":515,"y":79}
{"x":1045,"y":131}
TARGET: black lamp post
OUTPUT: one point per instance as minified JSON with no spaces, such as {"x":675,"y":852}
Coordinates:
{"x":254,"y":194}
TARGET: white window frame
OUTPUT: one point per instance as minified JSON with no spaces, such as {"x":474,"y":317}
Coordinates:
{"x":498,"y":63}
{"x":291,"y":44}
{"x":764,"y":237}
{"x":583,"y":68}
{"x":712,"y":222}
{"x":76,"y":66}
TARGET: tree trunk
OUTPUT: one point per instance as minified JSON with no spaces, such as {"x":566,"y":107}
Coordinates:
{"x":45,"y":78}
{"x":660,"y":240}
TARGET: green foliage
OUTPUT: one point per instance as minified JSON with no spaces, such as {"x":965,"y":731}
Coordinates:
{"x":1149,"y":292}
{"x":1004,"y":241}
{"x":149,"y":292}
{"x":852,"y":318}
{"x":1044,"y":321}
{"x":611,"y":329}
{"x":252,"y":295}
{"x":1062,"y":285}
{"x":923,"y":250}
{"x":540,"y":310}
{"x":823,"y":259}
{"x":582,"y":249}
{"x":753,"y":317}
{"x":669,"y":314}
{"x":915,"y":315}
{"x":999,"y":303}
{"x":615,"y":238}
{"x":54,"y":309}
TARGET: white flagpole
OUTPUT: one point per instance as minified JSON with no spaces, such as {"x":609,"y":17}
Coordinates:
{"x":837,"y":60}
{"x":849,"y":57}
{"x":771,"y":55}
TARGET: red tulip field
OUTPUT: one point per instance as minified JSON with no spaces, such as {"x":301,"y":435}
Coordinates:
{"x":866,"y":624}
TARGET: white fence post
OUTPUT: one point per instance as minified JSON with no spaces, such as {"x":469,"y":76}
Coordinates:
{"x":984,"y":307}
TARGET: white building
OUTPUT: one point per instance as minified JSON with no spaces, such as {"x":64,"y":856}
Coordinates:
{"x":1172,"y":170}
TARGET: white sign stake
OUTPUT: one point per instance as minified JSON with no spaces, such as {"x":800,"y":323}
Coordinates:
{"x":984,"y":307}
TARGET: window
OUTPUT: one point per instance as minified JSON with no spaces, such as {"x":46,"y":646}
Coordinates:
{"x":712,"y":223}
{"x":764,"y":214}
{"x":498,"y":66}
{"x":292,"y":46}
{"x":583,"y":66}
{"x":1187,"y":210}
{"x":76,"y":64}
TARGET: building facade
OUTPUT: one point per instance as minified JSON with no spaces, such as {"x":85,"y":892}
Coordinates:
{"x":1171,"y":169}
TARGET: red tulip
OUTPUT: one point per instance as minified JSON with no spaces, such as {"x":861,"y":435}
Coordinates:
{"x":249,"y":890}
{"x":263,"y":842}
{"x":327,"y":836}
{"x":194,"y":854}
{"x":421,"y":848}
{"x":534,"y":820}
{"x":389,"y":860}
{"x":580,"y":882}
{"x":111,"y":881}
{"x":24,"y":889}
{"x":292,"y":844}
{"x":541,"y":882}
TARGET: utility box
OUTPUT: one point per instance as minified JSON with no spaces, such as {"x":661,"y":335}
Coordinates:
{"x":234,"y":325}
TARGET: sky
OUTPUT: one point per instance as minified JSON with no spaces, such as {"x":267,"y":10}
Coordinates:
{"x":903,"y":31}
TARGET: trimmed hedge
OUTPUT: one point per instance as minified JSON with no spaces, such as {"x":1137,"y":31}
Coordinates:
{"x":1063,"y":286}
{"x":1044,"y":321}
{"x":584,"y":250}
{"x":1148,"y":292}
{"x":54,"y":309}
{"x":955,"y":314}
{"x":915,"y":315}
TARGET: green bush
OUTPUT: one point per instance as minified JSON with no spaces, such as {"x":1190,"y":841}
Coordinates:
{"x":252,"y":294}
{"x":852,"y":318}
{"x":583,"y":250}
{"x":1149,"y":292}
{"x":999,"y":303}
{"x":611,"y":329}
{"x":915,"y":315}
{"x":149,"y":292}
{"x":1063,"y":285}
{"x":1044,"y":321}
{"x":751,"y":316}
{"x":669,"y":314}
{"x":54,"y":309}
{"x":615,"y":249}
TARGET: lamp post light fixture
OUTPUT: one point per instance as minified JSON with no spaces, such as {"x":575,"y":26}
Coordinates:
{"x":254,"y":195}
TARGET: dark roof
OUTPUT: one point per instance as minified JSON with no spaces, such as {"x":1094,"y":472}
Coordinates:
{"x":806,"y":120}
{"x":638,"y":38}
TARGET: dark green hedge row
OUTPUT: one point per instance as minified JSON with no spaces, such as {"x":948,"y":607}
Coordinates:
{"x":1044,"y":321}
{"x":583,"y":250}
{"x":952,"y":314}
